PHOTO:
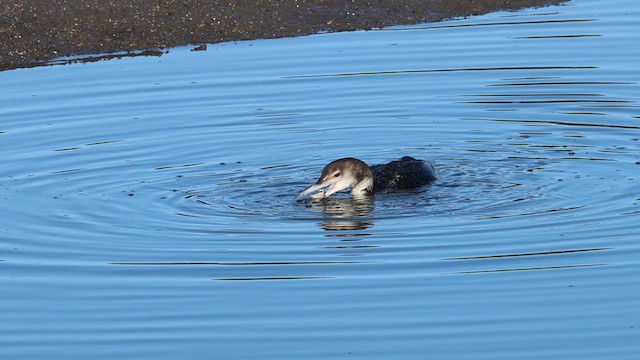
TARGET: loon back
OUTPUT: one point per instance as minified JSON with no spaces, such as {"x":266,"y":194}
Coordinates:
{"x":406,"y":173}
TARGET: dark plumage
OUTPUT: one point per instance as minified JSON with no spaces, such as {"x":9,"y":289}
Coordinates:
{"x":406,"y":173}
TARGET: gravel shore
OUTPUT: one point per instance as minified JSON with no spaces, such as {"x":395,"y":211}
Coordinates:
{"x":32,"y":32}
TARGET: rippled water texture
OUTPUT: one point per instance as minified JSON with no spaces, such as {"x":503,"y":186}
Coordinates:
{"x":149,"y":203}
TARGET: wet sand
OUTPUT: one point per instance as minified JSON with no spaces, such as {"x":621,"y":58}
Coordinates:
{"x":32,"y":32}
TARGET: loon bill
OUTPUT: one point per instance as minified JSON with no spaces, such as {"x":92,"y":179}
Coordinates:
{"x":345,"y":173}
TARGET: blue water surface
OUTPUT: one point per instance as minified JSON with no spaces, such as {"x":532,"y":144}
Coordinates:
{"x":149,"y":202}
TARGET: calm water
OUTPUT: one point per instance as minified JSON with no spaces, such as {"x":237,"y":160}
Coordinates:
{"x":149,"y":203}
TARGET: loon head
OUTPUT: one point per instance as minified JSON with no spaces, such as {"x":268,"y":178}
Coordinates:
{"x":342,"y":174}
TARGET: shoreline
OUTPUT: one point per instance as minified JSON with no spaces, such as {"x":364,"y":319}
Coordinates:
{"x":35,"y":33}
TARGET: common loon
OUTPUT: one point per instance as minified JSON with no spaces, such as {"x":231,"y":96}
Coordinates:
{"x":405,"y":173}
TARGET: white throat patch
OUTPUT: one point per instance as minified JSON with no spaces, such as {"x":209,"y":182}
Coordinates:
{"x":363,"y":187}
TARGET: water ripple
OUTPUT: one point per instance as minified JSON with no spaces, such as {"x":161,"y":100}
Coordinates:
{"x":151,"y":200}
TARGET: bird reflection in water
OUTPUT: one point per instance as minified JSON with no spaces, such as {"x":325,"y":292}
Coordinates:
{"x":353,"y":213}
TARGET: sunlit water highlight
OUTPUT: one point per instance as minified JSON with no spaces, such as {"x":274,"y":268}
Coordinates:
{"x":150,"y":204}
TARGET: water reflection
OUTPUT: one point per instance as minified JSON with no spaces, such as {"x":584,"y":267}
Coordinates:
{"x":541,"y":253}
{"x":502,"y":23}
{"x":494,"y":260}
{"x":557,"y":122}
{"x":353,"y":213}
{"x":448,"y":70}
{"x":535,"y":268}
{"x":556,"y":36}
{"x":566,"y":83}
{"x":280,"y":278}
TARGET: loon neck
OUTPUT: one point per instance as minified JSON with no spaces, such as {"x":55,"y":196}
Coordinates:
{"x":364,"y":187}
